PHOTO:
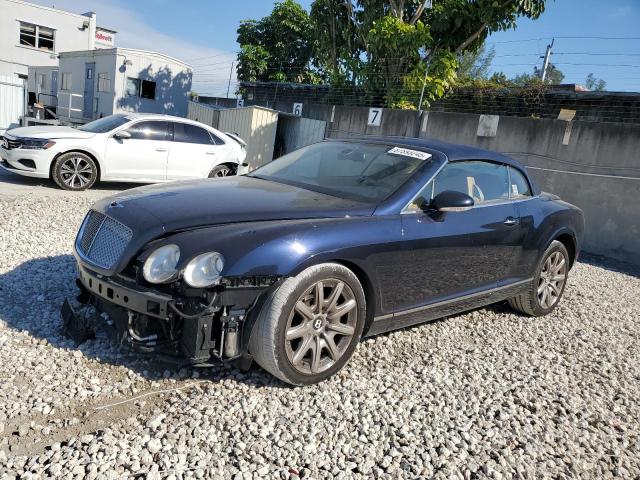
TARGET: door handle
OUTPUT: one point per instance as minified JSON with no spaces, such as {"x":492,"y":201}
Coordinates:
{"x":510,"y":221}
{"x":161,"y":149}
{"x":211,"y":153}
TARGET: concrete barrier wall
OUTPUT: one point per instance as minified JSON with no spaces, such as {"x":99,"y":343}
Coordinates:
{"x":595,"y":166}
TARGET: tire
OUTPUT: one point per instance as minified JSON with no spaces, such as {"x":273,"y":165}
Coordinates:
{"x":294,"y":360}
{"x":545,"y":291}
{"x":223,"y":170}
{"x":75,"y":171}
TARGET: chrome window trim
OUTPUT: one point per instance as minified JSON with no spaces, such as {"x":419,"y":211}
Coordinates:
{"x":404,"y":211}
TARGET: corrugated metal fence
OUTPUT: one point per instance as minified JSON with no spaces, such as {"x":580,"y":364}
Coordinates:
{"x":12,"y":101}
{"x":203,"y":113}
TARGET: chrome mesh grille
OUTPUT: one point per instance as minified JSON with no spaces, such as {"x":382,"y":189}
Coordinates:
{"x":103,"y":239}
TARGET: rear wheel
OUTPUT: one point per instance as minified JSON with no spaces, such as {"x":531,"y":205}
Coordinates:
{"x":223,"y":170}
{"x":310,"y":326}
{"x":546,"y":289}
{"x":75,"y":171}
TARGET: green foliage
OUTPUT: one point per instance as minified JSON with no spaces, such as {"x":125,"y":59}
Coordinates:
{"x":253,"y":62}
{"x":277,"y":47}
{"x":593,"y":83}
{"x":378,"y":48}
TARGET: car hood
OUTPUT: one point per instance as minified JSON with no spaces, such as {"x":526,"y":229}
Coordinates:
{"x":48,"y":132}
{"x":191,"y":204}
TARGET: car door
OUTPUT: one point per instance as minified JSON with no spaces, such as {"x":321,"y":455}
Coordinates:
{"x":194,"y":152}
{"x":447,"y":255}
{"x":141,"y":157}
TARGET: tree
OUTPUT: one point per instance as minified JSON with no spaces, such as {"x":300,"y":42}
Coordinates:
{"x":392,"y":50}
{"x":475,"y":65}
{"x":277,"y":47}
{"x":396,"y":41}
{"x":554,"y":77}
{"x":593,"y":83}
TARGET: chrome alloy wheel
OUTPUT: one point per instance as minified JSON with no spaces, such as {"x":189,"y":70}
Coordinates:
{"x":552,"y":278}
{"x":320,"y":326}
{"x":76,"y":172}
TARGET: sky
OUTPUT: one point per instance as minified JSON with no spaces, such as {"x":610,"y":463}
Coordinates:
{"x":591,"y":36}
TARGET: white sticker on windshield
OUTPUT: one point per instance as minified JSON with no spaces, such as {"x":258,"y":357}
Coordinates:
{"x":406,"y":152}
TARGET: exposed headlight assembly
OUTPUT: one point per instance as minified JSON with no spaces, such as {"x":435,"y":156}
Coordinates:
{"x":161,"y":265}
{"x":204,"y":270}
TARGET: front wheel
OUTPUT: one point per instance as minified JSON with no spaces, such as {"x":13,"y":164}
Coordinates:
{"x":310,"y":326}
{"x":74,"y":171}
{"x":546,"y":289}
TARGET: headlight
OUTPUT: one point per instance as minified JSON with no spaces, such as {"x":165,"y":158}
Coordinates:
{"x":161,"y":264}
{"x":36,"y":143}
{"x":204,"y":270}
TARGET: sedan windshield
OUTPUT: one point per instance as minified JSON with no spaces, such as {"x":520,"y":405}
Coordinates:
{"x":105,"y":124}
{"x":362,"y":171}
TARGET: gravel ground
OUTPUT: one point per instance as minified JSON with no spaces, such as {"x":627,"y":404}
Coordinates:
{"x":488,"y":394}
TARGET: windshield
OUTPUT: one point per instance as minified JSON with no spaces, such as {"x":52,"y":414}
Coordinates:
{"x":105,"y":124}
{"x":361,"y":171}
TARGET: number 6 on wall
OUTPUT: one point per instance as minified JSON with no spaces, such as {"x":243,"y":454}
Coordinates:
{"x":375,"y":117}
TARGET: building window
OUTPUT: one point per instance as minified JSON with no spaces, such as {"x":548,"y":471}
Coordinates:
{"x":104,"y":82}
{"x":148,"y":89}
{"x":141,"y":88}
{"x":66,"y":81}
{"x":36,"y":36}
{"x":41,"y":81}
{"x":133,"y":87}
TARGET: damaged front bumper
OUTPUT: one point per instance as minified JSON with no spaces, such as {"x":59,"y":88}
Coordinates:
{"x":198,"y":325}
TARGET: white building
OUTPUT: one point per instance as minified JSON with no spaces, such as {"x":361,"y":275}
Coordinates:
{"x":33,"y":35}
{"x":96,"y":83}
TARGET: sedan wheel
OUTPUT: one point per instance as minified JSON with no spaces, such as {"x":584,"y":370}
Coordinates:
{"x":221,"y":171}
{"x":321,"y":326}
{"x":309,"y":327}
{"x":75,"y":171}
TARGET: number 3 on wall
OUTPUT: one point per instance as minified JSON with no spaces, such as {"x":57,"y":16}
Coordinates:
{"x":375,"y":117}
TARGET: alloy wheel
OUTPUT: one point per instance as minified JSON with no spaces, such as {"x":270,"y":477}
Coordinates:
{"x":321,"y":326}
{"x":76,"y":172}
{"x":552,"y":278}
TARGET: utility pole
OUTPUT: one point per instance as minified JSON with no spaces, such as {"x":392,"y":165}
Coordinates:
{"x":229,"y":83}
{"x":547,"y":57}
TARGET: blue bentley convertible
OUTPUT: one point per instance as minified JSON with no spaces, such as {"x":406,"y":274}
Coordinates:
{"x":292,"y":264}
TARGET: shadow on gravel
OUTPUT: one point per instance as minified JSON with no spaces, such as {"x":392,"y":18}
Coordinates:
{"x":31,"y":296}
{"x":610,"y":264}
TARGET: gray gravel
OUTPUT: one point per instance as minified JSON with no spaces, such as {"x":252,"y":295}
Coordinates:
{"x":488,"y":394}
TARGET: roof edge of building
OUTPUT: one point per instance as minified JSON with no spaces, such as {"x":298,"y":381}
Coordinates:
{"x":120,"y":50}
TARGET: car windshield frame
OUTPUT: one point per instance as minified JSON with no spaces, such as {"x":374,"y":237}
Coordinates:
{"x":384,"y":152}
{"x":103,"y":123}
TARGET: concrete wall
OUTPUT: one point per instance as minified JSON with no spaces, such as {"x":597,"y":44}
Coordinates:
{"x":595,"y":166}
{"x":69,"y":35}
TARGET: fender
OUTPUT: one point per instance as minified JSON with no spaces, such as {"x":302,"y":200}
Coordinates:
{"x":285,"y":248}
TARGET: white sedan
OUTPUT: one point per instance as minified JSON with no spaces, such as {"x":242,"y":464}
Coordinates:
{"x":126,"y":147}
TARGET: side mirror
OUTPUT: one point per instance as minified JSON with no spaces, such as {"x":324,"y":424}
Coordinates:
{"x":451,"y":201}
{"x":121,"y":135}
